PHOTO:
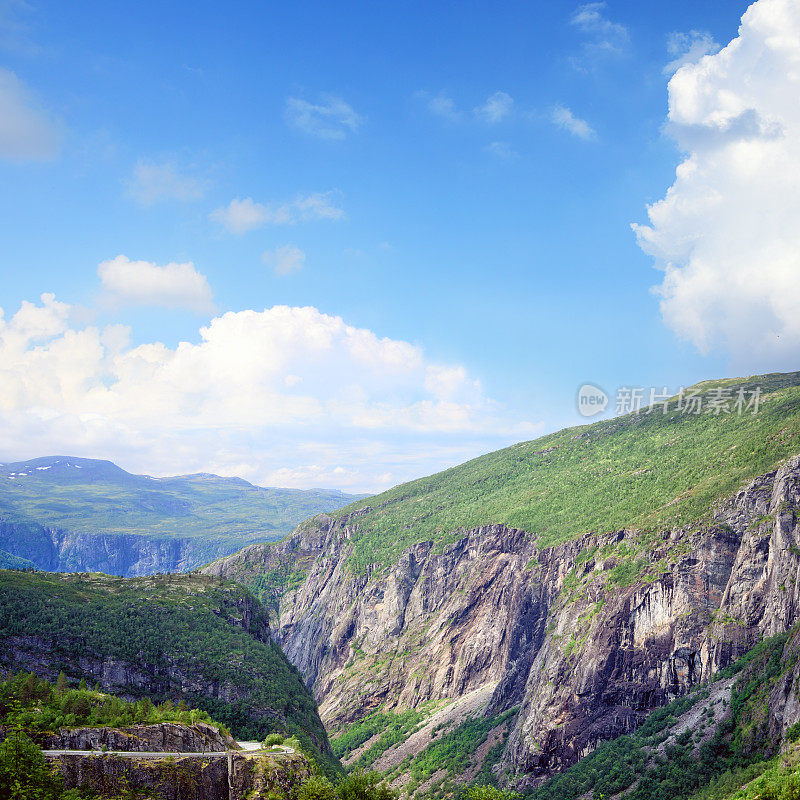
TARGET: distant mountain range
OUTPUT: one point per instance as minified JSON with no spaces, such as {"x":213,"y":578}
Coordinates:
{"x":63,"y":513}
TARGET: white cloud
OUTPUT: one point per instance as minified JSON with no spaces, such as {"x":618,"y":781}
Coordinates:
{"x":26,"y":132}
{"x":240,"y":216}
{"x":14,"y":28}
{"x":144,"y":283}
{"x":564,"y":118}
{"x":726,"y":233}
{"x":285,"y":395}
{"x":496,"y":108}
{"x":501,"y":150}
{"x":331,"y":118}
{"x":152,"y":182}
{"x":604,"y":37}
{"x":441,"y":105}
{"x":285,"y":259}
{"x":687,"y":48}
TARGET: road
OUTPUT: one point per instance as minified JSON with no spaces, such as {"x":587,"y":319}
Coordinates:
{"x":277,"y":749}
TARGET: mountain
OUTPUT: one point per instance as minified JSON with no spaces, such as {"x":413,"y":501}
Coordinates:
{"x":506,"y":617}
{"x":75,"y":514}
{"x":176,"y":637}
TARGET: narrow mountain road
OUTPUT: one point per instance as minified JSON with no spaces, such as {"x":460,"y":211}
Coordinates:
{"x":277,"y":750}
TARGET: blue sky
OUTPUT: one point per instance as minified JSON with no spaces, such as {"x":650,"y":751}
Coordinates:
{"x":457,"y":178}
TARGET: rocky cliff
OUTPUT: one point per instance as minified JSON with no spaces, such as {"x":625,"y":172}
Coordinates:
{"x":586,"y":637}
{"x":234,"y":776}
{"x":59,"y":550}
{"x":163,"y":737}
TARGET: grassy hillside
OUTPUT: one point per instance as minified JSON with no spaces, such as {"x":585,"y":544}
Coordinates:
{"x":88,"y":496}
{"x":184,"y":633}
{"x":643,"y":470}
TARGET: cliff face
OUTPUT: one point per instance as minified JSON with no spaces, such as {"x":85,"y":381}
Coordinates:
{"x":165,"y":737}
{"x":586,"y":637}
{"x":129,"y":555}
{"x":234,"y":776}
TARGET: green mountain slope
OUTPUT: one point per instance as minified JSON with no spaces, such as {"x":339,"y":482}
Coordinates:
{"x":644,"y":470}
{"x":8,"y":561}
{"x":86,"y":497}
{"x":179,"y":637}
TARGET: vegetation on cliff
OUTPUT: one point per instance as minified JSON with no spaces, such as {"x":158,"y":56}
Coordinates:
{"x":440,"y":766}
{"x":35,"y":705}
{"x":642,"y":470}
{"x":195,"y":638}
{"x":711,"y":760}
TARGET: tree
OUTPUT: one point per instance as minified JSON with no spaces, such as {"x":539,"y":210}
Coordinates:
{"x":316,"y":788}
{"x":25,"y":773}
{"x":364,"y":786}
{"x":61,"y":683}
{"x":489,"y":793}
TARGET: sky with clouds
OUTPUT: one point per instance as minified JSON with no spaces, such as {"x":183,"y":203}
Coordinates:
{"x":346,"y":247}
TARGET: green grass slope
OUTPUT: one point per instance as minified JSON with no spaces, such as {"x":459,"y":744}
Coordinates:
{"x":88,"y":496}
{"x":183,"y":633}
{"x":639,"y":470}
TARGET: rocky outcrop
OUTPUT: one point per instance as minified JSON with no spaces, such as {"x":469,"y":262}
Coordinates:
{"x":164,"y":737}
{"x":234,"y":776}
{"x":586,"y":637}
{"x":129,"y":555}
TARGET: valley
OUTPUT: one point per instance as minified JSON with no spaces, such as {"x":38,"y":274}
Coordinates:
{"x":573,"y":606}
{"x":568,"y":639}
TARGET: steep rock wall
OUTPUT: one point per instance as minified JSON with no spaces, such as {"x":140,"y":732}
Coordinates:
{"x":235,"y":776}
{"x":586,"y":637}
{"x":129,"y":555}
{"x":162,"y":737}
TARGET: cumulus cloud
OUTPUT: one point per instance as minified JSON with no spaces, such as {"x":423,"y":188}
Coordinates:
{"x":243,"y":215}
{"x":285,"y":259}
{"x":26,"y":132}
{"x":726,"y":234}
{"x":129,"y":282}
{"x":331,"y":118}
{"x":686,"y":48}
{"x":281,"y":396}
{"x":153,"y":182}
{"x":564,"y":118}
{"x":603,"y":36}
{"x":496,"y":108}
